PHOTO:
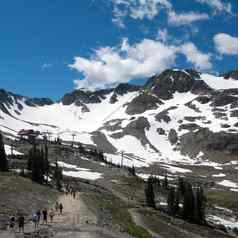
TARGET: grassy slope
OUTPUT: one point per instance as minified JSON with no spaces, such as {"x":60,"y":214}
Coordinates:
{"x":21,"y":194}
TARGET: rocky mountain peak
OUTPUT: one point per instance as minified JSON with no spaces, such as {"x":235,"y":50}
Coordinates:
{"x":170,"y":81}
{"x":231,"y":74}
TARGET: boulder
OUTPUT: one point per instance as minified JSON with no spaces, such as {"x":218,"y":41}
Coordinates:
{"x":173,"y":136}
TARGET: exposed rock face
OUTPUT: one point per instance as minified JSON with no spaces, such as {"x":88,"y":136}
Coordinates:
{"x":163,"y":116}
{"x":143,"y":103}
{"x":161,"y":131}
{"x":200,"y":87}
{"x":205,"y":140}
{"x":170,"y":81}
{"x":101,"y":141}
{"x":8,"y":99}
{"x":231,"y":74}
{"x":173,"y":136}
{"x":122,"y":89}
{"x":38,"y":102}
{"x":225,"y":97}
{"x":80,"y":96}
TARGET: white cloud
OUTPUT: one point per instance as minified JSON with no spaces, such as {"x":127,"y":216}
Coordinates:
{"x":109,"y":66}
{"x":200,"y":60}
{"x":45,"y":66}
{"x":226,"y":44}
{"x":137,"y":9}
{"x":185,"y":18}
{"x":163,"y":35}
{"x":217,"y":5}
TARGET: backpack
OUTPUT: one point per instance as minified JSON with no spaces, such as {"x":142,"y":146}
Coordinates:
{"x":34,"y":217}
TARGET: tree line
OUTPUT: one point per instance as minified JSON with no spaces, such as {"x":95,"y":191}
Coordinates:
{"x":183,"y":199}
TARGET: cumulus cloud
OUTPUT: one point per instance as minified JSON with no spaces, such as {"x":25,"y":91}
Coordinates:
{"x":226,"y":44}
{"x":200,"y":60}
{"x":217,"y":5}
{"x":185,"y":18}
{"x":46,"y":66}
{"x":109,"y":66}
{"x":137,"y":9}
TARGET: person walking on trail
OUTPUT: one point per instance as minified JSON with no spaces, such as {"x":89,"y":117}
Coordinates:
{"x":12,"y":222}
{"x":21,"y":223}
{"x":57,"y":207}
{"x":38,"y":213}
{"x":45,"y":216}
{"x":61,"y":208}
{"x":35,"y":220}
{"x":51,"y":214}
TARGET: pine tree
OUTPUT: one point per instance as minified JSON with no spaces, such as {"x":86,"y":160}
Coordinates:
{"x":3,"y":158}
{"x":171,"y":201}
{"x":58,"y":176}
{"x":149,"y":193}
{"x":188,"y":203}
{"x":166,"y":181}
{"x":200,"y":206}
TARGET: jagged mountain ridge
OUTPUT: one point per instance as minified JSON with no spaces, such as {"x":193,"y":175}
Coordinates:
{"x":152,"y":122}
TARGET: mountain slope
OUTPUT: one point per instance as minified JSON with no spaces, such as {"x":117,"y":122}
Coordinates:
{"x":152,"y":123}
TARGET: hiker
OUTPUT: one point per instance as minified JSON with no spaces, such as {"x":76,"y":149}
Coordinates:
{"x":56,"y":207}
{"x":21,"y":223}
{"x":38,"y":213}
{"x":61,"y":208}
{"x":35,"y":220}
{"x":45,"y":215}
{"x":12,"y":222}
{"x":74,"y":194}
{"x":51,"y":214}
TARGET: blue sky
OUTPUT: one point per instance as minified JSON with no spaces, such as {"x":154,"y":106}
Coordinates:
{"x":51,"y":47}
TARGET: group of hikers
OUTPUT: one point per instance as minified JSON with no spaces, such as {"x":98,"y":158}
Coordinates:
{"x":36,"y":217}
{"x":43,"y":214}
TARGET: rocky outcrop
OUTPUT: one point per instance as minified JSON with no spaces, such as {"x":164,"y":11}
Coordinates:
{"x":142,"y":103}
{"x":207,"y":141}
{"x":231,"y":74}
{"x":170,"y":81}
{"x":32,"y":102}
{"x":173,"y":136}
{"x":201,"y":88}
{"x":163,"y":116}
{"x":102,"y":143}
{"x":85,"y":97}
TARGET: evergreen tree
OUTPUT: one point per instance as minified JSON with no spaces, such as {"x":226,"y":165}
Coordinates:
{"x":188,"y":203}
{"x":171,"y":201}
{"x":166,"y":181}
{"x":149,"y":193}
{"x":200,"y":206}
{"x":58,"y":176}
{"x":3,"y":158}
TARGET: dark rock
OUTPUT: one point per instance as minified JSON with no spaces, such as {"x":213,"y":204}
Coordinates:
{"x":192,"y":119}
{"x":32,"y":102}
{"x":231,"y":74}
{"x":102,"y":143}
{"x":189,"y":126}
{"x":163,"y":116}
{"x":203,"y":99}
{"x":206,"y":140}
{"x":161,"y":131}
{"x":200,"y":87}
{"x":234,"y":113}
{"x":236,"y":124}
{"x":173,"y":136}
{"x":225,"y":126}
{"x":81,"y":96}
{"x":223,"y":100}
{"x":142,"y":103}
{"x":122,"y":89}
{"x":170,"y":81}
